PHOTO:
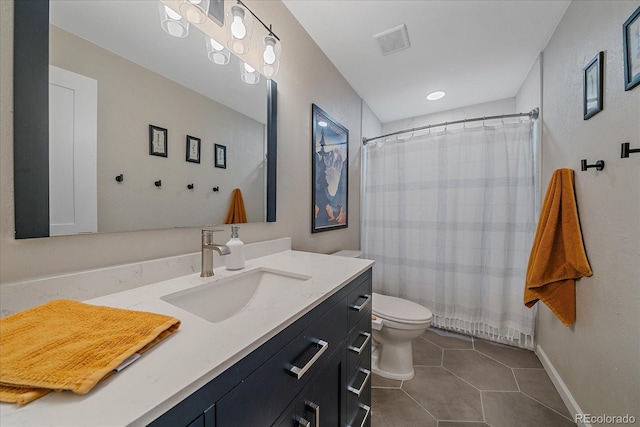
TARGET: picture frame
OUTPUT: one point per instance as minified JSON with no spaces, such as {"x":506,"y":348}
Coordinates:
{"x":330,"y":172}
{"x":593,"y":80}
{"x":193,"y":149}
{"x":220,"y":152}
{"x":631,"y":50}
{"x":158,"y":141}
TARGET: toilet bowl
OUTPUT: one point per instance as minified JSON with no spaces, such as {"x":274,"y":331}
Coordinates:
{"x":401,"y":322}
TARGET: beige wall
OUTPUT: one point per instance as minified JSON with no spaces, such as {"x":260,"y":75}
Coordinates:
{"x":598,"y":358}
{"x":306,"y":76}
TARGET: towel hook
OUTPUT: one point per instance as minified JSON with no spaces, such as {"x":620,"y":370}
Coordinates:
{"x":120,"y":178}
{"x":158,"y":183}
{"x":216,"y":189}
{"x":599,"y":165}
{"x":190,"y":186}
{"x":626,"y":150}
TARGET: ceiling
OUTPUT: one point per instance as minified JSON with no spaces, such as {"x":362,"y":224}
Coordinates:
{"x":475,"y":50}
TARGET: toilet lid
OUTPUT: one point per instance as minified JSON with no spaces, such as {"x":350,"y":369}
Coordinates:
{"x":399,"y":310}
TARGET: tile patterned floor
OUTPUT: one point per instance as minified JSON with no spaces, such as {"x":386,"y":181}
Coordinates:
{"x":462,"y":381}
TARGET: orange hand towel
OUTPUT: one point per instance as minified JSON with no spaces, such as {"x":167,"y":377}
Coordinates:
{"x":558,"y":255}
{"x":236,"y":214}
{"x":69,"y":345}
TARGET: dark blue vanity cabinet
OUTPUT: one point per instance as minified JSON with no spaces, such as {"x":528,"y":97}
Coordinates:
{"x":314,"y":373}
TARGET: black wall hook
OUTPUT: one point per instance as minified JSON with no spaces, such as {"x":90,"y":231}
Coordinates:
{"x":190,"y":186}
{"x":599,"y":165}
{"x":216,"y":189}
{"x":158,"y":183}
{"x":120,"y":178}
{"x":626,"y":150}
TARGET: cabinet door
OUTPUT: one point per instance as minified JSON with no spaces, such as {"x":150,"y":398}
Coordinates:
{"x":322,"y":403}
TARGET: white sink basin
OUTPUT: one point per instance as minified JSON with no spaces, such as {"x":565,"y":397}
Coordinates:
{"x":221,"y":299}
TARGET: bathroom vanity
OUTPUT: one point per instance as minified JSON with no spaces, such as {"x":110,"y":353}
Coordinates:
{"x":293,"y":349}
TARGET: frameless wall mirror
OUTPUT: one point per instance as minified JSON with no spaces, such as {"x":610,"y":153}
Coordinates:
{"x":94,"y":83}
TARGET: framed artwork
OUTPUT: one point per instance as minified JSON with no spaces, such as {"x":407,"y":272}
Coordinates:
{"x":221,"y":156}
{"x":157,"y":141}
{"x":330,"y":172}
{"x":193,"y":149}
{"x":631,"y":50}
{"x":593,"y":86}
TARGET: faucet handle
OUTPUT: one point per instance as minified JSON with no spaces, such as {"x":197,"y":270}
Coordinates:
{"x":207,"y":234}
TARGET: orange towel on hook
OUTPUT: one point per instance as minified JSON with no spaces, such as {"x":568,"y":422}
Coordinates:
{"x":558,"y":255}
{"x":236,"y":214}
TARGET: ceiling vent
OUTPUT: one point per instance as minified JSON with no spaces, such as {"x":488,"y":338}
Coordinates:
{"x":393,"y":40}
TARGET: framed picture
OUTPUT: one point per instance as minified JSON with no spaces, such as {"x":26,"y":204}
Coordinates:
{"x":157,"y":141}
{"x":631,"y":50}
{"x":221,"y":156}
{"x":193,"y":149}
{"x":593,"y":86}
{"x":330,"y":172}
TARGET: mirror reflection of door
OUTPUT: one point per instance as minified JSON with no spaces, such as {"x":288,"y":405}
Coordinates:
{"x":73,"y":117}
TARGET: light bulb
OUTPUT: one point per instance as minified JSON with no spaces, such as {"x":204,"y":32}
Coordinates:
{"x":269,"y":55}
{"x":215,"y":45}
{"x":249,"y":68}
{"x":238,"y":28}
{"x":172,"y":14}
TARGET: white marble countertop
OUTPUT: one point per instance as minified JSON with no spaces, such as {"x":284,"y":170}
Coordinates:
{"x":198,"y":352}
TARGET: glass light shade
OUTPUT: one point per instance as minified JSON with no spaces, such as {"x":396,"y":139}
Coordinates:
{"x":248,"y":74}
{"x":217,"y":53}
{"x":172,"y":22}
{"x":195,"y":11}
{"x":240,"y":28}
{"x":270,"y":56}
{"x":434,"y":96}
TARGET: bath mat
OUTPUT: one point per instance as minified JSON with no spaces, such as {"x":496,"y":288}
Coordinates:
{"x":70,"y":345}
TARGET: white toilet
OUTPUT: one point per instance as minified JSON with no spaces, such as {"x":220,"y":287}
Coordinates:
{"x":398,"y":323}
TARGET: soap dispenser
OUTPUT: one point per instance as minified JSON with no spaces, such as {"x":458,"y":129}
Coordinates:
{"x":235,"y":260}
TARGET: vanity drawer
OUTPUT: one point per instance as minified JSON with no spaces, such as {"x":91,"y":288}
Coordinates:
{"x":359,"y":343}
{"x":360,"y":300}
{"x":359,"y":397}
{"x":258,"y":399}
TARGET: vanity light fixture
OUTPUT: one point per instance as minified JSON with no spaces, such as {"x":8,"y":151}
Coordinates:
{"x":240,"y":28}
{"x":270,"y":56}
{"x":434,"y":96}
{"x":195,"y":10}
{"x":217,"y":53}
{"x":172,"y":22}
{"x":248,"y":74}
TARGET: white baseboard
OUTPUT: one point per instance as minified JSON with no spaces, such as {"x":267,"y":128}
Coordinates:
{"x":562,"y":388}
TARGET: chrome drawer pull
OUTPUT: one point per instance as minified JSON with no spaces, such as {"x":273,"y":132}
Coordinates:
{"x":302,"y":422}
{"x":364,"y":304}
{"x":358,"y":350}
{"x":299,"y":372}
{"x":358,"y":391}
{"x":316,"y":410}
{"x":366,"y":415}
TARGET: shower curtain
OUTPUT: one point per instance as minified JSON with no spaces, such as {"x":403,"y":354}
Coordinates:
{"x":449,"y":219}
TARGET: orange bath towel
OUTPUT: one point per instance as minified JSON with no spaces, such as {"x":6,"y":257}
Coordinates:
{"x":558,"y":255}
{"x":236,"y":214}
{"x":69,"y":345}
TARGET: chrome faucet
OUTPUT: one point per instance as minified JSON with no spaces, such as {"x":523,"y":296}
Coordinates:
{"x":207,"y":252}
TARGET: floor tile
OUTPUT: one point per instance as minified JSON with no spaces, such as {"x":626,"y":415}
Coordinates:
{"x":425,"y":353}
{"x":535,"y":383}
{"x":444,"y":395}
{"x":378,"y":381}
{"x":460,"y":424}
{"x":393,"y":408}
{"x":510,"y":356}
{"x":446,"y":339}
{"x":479,"y":370}
{"x":508,"y":409}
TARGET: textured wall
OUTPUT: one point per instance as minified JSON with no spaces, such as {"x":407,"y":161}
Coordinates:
{"x":306,"y":76}
{"x":599,"y":357}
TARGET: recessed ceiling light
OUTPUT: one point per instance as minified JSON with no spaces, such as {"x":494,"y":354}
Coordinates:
{"x":322,"y":123}
{"x":434,"y":96}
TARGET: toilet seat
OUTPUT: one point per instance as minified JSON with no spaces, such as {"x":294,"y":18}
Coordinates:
{"x":400,"y":310}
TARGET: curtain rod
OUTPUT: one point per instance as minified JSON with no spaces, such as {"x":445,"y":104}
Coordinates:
{"x":533,"y":115}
